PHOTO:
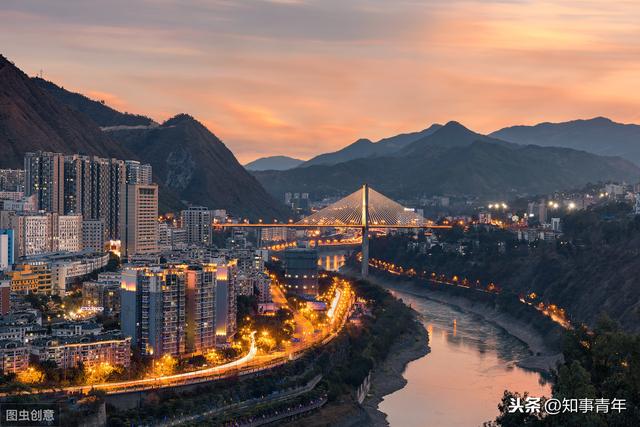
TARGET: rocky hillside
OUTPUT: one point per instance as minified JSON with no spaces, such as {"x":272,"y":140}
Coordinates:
{"x":590,"y":271}
{"x":98,"y":111}
{"x":32,"y":119}
{"x":194,"y":165}
{"x":191,"y":165}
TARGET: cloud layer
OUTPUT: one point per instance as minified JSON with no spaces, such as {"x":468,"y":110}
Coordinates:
{"x":301,"y":77}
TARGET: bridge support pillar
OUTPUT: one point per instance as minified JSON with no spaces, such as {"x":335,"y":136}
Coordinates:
{"x":365,"y":231}
{"x":365,"y":252}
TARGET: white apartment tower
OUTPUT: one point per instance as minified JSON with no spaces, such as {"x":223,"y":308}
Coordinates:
{"x":139,"y":219}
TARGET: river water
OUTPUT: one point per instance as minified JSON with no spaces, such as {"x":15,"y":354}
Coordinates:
{"x":461,"y":381}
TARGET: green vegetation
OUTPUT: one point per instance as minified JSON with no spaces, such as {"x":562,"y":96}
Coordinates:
{"x":603,"y":363}
{"x":354,"y":353}
{"x":164,"y":404}
{"x":343,"y":364}
{"x":592,"y":269}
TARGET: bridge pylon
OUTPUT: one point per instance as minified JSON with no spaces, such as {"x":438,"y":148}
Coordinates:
{"x":365,"y":231}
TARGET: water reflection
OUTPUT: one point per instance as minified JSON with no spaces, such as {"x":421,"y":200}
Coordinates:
{"x":332,"y":261}
{"x":462,"y":380}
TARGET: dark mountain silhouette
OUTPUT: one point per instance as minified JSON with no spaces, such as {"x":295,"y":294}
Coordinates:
{"x":278,"y":163}
{"x":453,"y":134}
{"x":195,"y":166}
{"x":455,"y":160}
{"x":599,"y":136}
{"x":32,"y":119}
{"x":97,"y":111}
{"x":191,"y":165}
{"x":363,"y":148}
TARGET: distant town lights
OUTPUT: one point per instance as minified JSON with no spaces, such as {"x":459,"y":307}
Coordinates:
{"x":498,"y":205}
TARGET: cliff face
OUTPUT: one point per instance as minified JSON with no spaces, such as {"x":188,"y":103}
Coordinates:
{"x":31,"y":119}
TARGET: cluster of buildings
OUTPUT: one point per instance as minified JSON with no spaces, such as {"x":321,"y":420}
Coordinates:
{"x":176,"y":293}
{"x":298,"y":202}
{"x":67,"y":203}
{"x":179,"y":309}
{"x":58,"y":216}
{"x":23,"y":338}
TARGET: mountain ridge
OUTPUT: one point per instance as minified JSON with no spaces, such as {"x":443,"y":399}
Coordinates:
{"x":364,"y":147}
{"x":456,"y":160}
{"x":273,"y":163}
{"x":599,"y":135}
{"x":31,"y":119}
{"x":191,"y":165}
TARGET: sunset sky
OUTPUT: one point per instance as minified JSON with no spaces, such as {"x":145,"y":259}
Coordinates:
{"x":302,"y":77}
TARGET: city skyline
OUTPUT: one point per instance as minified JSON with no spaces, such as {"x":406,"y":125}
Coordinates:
{"x":298,"y":78}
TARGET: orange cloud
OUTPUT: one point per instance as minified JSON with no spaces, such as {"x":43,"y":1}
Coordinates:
{"x":303,"y":77}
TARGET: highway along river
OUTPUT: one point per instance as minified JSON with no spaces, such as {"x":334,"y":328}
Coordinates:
{"x":461,"y":381}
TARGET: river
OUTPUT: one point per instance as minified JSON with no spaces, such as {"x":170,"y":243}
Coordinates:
{"x":461,"y":381}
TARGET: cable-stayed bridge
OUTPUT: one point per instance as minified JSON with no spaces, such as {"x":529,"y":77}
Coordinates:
{"x":363,"y":209}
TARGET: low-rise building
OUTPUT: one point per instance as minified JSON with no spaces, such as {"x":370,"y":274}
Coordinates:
{"x":103,"y":293}
{"x":5,"y":297}
{"x":72,"y":329}
{"x":14,"y":356}
{"x":68,"y":352}
{"x":63,"y":267}
{"x":31,"y":278}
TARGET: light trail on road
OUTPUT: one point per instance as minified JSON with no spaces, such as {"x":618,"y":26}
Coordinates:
{"x":253,"y":350}
{"x":251,"y":362}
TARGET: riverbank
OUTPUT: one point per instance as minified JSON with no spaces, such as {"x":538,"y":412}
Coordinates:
{"x":388,"y":377}
{"x":543,"y":357}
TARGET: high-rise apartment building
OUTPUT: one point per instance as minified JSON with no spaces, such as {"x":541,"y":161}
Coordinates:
{"x":7,"y":249}
{"x":196,"y":221}
{"x":177,"y":309}
{"x":200,"y":312}
{"x":44,"y":177}
{"x":93,"y":188}
{"x":138,"y":173}
{"x":68,"y":235}
{"x":139,"y":219}
{"x":87,"y":185}
{"x":225,"y":300}
{"x":153,"y":310}
{"x":93,"y":234}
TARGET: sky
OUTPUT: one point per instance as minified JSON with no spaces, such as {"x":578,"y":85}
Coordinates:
{"x":304,"y":77}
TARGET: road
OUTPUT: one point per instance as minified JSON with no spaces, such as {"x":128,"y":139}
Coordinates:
{"x":249,"y":363}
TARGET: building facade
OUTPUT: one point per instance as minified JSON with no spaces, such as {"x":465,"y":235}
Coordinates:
{"x":139,"y":225}
{"x":14,"y":356}
{"x":178,"y":309}
{"x":301,"y":270}
{"x":93,"y":234}
{"x":44,"y":177}
{"x":7,"y":249}
{"x":90,"y":350}
{"x":197,"y":222}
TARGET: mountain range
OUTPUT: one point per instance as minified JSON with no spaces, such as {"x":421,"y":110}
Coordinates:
{"x":455,"y":160}
{"x":190,"y":164}
{"x":278,"y":163}
{"x":598,"y":135}
{"x":363,"y":148}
